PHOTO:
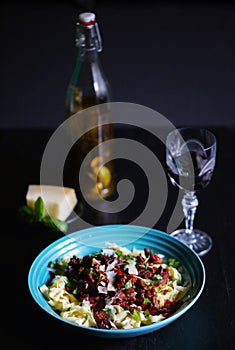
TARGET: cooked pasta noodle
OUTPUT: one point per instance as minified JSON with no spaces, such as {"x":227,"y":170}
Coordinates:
{"x":115,"y":288}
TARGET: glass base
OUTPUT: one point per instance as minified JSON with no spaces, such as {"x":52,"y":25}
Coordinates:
{"x":198,"y":240}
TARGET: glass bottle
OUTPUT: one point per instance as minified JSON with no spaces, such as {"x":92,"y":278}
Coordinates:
{"x":89,"y":87}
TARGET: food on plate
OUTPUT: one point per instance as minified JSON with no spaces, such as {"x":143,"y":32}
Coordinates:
{"x":59,"y":201}
{"x":115,"y":288}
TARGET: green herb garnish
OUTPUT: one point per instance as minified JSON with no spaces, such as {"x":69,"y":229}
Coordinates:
{"x":144,"y":266}
{"x":128,"y":284}
{"x":136,"y":313}
{"x":39,"y":215}
{"x":26,"y":213}
{"x":129,"y":259}
{"x":39,"y":211}
{"x":55,"y":224}
{"x":107,"y":309}
{"x":146,"y":300}
{"x":173,"y":262}
{"x":119,"y":253}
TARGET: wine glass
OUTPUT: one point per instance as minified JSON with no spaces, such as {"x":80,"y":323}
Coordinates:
{"x":190,"y":159}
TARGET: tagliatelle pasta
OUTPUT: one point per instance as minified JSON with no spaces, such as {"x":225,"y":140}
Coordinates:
{"x":115,"y":288}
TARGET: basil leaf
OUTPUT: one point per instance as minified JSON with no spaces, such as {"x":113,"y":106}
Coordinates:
{"x":38,"y":215}
{"x":55,"y":224}
{"x":26,"y":213}
{"x":39,"y":209}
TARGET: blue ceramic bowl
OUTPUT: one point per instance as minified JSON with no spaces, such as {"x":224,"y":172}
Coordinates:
{"x":90,"y":240}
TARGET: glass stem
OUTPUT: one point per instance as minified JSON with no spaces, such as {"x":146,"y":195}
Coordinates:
{"x":190,"y":203}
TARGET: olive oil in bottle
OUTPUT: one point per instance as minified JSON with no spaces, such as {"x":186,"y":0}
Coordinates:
{"x":89,"y":87}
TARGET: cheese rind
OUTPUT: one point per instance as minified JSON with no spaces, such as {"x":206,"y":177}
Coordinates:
{"x":59,"y":201}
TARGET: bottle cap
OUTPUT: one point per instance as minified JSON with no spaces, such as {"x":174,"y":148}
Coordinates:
{"x":87,"y":18}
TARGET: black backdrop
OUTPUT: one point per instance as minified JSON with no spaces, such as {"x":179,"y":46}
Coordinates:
{"x":175,"y":57}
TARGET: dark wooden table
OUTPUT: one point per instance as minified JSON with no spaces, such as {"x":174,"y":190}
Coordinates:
{"x":209,"y":324}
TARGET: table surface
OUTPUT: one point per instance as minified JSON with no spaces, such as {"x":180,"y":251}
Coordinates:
{"x":209,"y":324}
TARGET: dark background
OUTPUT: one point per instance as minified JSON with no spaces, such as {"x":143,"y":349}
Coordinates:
{"x":175,"y":57}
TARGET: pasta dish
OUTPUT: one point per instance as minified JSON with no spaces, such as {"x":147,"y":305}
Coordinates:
{"x":115,"y":288}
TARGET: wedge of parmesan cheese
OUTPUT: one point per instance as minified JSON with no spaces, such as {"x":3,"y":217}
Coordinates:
{"x":59,"y":201}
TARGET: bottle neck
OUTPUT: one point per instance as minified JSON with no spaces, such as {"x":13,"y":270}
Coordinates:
{"x":88,"y":40}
